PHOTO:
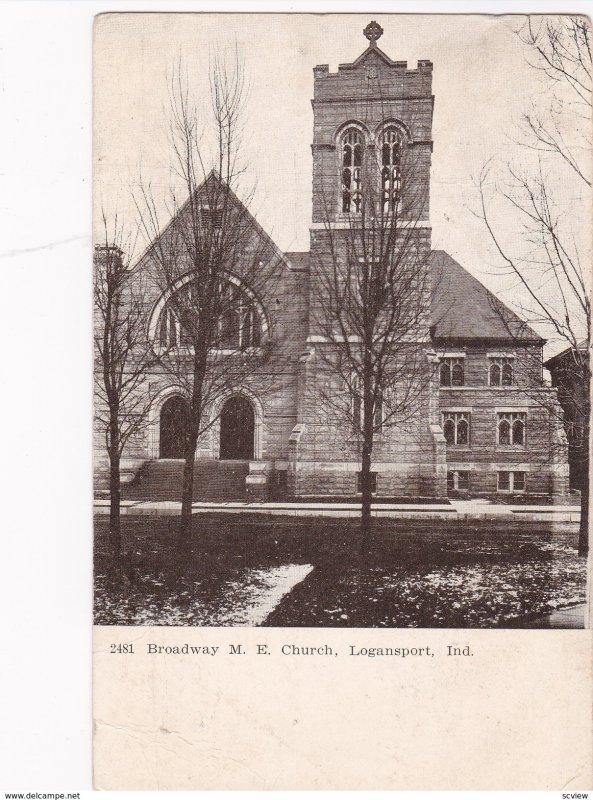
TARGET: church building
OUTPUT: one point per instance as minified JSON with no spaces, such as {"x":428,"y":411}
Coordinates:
{"x":482,"y":424}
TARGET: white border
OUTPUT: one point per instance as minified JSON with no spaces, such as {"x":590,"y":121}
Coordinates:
{"x":45,"y":169}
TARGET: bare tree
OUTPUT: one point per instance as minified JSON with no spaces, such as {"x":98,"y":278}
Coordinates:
{"x":213,"y":264}
{"x":544,"y":254}
{"x":123,"y":357}
{"x":373,"y":303}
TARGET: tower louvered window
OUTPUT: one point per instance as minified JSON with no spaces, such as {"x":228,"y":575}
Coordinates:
{"x":352,"y":163}
{"x":390,"y":170}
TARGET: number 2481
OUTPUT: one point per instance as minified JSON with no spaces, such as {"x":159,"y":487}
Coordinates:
{"x":121,"y":648}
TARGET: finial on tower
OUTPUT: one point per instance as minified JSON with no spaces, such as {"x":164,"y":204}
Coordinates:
{"x":373,"y":31}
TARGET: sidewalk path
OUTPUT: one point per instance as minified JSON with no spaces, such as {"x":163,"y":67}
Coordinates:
{"x":457,"y":509}
{"x":572,"y":618}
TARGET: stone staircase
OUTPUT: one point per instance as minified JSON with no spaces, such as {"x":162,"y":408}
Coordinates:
{"x":213,"y":480}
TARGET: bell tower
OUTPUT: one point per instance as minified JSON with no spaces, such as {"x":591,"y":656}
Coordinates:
{"x":372,"y":146}
{"x":352,"y":109}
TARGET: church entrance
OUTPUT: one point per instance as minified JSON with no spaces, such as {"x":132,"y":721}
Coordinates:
{"x":173,"y":426}
{"x":237,"y":429}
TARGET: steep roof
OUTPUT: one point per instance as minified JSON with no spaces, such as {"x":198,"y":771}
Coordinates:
{"x":462,"y":307}
{"x":203,"y":192}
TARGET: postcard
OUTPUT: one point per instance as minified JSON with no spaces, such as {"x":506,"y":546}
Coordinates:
{"x":342,"y":329}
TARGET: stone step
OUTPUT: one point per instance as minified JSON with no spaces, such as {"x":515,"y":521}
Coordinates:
{"x":213,"y":480}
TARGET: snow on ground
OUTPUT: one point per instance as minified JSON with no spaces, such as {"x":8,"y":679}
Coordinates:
{"x":253,"y":598}
{"x":243,"y":601}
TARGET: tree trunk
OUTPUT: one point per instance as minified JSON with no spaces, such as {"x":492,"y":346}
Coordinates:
{"x":584,"y":526}
{"x":367,"y":495}
{"x":187,"y":495}
{"x":114,"y":502}
{"x":191,"y":442}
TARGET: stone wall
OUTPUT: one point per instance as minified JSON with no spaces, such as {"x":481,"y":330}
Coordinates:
{"x":408,"y":455}
{"x":272,"y":385}
{"x":542,"y":457}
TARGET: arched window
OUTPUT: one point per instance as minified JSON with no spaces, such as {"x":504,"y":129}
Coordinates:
{"x":452,"y":372}
{"x":449,"y":431}
{"x":238,"y":328}
{"x":457,"y":374}
{"x":504,"y":432}
{"x":511,"y":428}
{"x":390,"y":169}
{"x":169,"y":329}
{"x":462,"y":432}
{"x":456,"y":427}
{"x":352,"y":164}
{"x":518,"y":432}
{"x":501,"y":372}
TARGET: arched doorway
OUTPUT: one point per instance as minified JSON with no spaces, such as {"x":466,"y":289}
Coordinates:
{"x":237,"y":429}
{"x":173,"y":426}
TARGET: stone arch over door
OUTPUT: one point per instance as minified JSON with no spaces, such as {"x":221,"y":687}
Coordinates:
{"x":173,"y":421}
{"x":258,"y":423}
{"x":237,"y":429}
{"x":154,"y":417}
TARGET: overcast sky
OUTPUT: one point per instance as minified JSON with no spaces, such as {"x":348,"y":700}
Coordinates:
{"x":481,"y":82}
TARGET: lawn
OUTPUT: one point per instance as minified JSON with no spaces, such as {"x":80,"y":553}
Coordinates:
{"x":282,"y":571}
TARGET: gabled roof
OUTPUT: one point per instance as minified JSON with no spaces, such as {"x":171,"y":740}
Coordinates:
{"x":565,"y":355}
{"x":462,"y":307}
{"x":372,"y":51}
{"x":201,"y":194}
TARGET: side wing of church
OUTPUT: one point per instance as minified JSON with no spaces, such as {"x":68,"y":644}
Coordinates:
{"x":482,"y":424}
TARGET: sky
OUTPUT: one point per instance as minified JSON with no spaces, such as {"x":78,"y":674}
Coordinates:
{"x":482,"y":83}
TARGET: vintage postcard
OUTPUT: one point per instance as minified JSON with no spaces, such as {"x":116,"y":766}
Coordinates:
{"x":342,"y":273}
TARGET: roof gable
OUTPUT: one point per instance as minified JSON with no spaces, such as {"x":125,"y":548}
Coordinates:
{"x":373,"y":56}
{"x":203,"y":194}
{"x":462,"y":307}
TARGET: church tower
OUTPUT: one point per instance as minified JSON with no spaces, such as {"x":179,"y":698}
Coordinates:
{"x":357,"y":110}
{"x":372,"y":150}
{"x":372,"y":146}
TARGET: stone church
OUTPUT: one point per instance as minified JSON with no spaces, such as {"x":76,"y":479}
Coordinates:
{"x":479,"y":430}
